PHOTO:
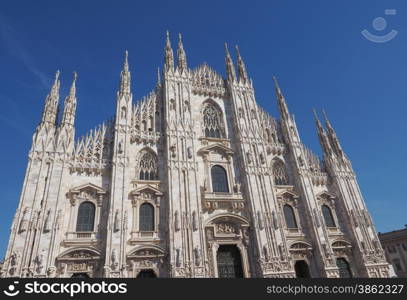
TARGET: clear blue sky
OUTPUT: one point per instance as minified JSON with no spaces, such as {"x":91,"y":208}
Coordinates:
{"x":315,"y":48}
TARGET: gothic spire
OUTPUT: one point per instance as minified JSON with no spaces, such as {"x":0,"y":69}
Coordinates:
{"x":332,"y":135}
{"x":281,"y":101}
{"x":50,"y":112}
{"x":230,"y":68}
{"x":323,"y":139}
{"x":125,"y":77}
{"x":182,"y":58}
{"x":241,"y":67}
{"x":168,"y":55}
{"x":68,"y":116}
{"x":158,"y":76}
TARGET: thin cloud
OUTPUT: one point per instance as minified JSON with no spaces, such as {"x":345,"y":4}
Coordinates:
{"x":13,"y":118}
{"x":12,"y":41}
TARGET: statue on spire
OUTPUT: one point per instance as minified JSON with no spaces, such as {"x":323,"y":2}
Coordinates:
{"x":332,"y":136}
{"x":125,"y":77}
{"x":182,"y":58}
{"x":281,"y":101}
{"x":168,"y":55}
{"x":241,"y":67}
{"x":230,"y":68}
{"x":68,"y":116}
{"x":50,"y":112}
{"x":323,"y":138}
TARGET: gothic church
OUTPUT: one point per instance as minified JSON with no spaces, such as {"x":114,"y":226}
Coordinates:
{"x":193,"y":180}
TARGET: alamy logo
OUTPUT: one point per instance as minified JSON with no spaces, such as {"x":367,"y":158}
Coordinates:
{"x":380,"y":24}
{"x":12,"y":290}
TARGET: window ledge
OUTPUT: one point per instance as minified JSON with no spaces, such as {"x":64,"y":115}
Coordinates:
{"x":81,"y":238}
{"x":143,"y":236}
{"x":294,"y":232}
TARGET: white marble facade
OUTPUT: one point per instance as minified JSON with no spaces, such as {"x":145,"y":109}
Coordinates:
{"x":147,"y":178}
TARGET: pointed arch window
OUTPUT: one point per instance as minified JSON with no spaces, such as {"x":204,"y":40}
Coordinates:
{"x":146,"y":217}
{"x":289,"y":216}
{"x":344,"y":268}
{"x":86,"y":217}
{"x":280,"y":172}
{"x":148,"y":169}
{"x":328,"y":217}
{"x":212,"y":121}
{"x":219,"y":179}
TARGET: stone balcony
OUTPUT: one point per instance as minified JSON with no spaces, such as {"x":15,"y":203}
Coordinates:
{"x":81,"y":238}
{"x":230,"y":201}
{"x":143,"y":236}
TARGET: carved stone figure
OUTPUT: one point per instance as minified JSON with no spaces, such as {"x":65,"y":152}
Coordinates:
{"x":116,"y":221}
{"x":47,"y":226}
{"x":24,"y":220}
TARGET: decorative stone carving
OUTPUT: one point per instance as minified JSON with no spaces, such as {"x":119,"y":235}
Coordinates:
{"x":39,"y":261}
{"x":116,"y":226}
{"x":178,"y":257}
{"x":260,"y":220}
{"x":262,"y":159}
{"x":47,"y":226}
{"x":176,"y":221}
{"x":225,"y":228}
{"x":265,"y":253}
{"x":24,"y":220}
{"x":173,"y":150}
{"x":237,"y":188}
{"x":275,"y":221}
{"x":197,"y":253}
{"x":114,"y":258}
{"x":194,"y":221}
{"x":249,"y":157}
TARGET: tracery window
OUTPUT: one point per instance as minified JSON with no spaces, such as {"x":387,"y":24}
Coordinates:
{"x":148,"y":167}
{"x":212,"y":122}
{"x":280,"y":173}
{"x":289,"y":216}
{"x":86,"y":217}
{"x":146,"y":217}
{"x":328,"y":217}
{"x":219,"y":179}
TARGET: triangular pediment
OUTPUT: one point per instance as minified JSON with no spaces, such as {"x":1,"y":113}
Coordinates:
{"x":325,"y":194}
{"x":218,"y":147}
{"x":288,"y":193}
{"x":146,"y":189}
{"x":85,"y":186}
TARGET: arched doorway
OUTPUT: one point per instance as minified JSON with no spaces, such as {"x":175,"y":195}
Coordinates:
{"x":344,"y":269}
{"x":229,"y":262}
{"x":146,"y":274}
{"x":80,"y":275}
{"x":301,"y":269}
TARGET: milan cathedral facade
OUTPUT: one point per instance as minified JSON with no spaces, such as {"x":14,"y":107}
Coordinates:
{"x":193,"y":180}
